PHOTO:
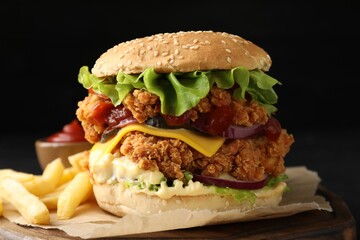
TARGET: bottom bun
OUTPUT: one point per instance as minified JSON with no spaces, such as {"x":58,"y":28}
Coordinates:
{"x":120,"y":201}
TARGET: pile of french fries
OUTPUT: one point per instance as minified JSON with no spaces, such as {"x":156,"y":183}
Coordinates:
{"x":57,"y":189}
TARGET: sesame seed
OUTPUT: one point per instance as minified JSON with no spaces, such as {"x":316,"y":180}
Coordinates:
{"x":159,"y":36}
{"x":142,"y":52}
{"x":228,"y":50}
{"x":180,"y":57}
{"x":195,"y":47}
{"x":164,"y":54}
{"x":149,"y":47}
{"x":228,"y":59}
{"x":177,"y":52}
{"x":195,"y":40}
{"x":223,"y":42}
{"x":158,"y":63}
{"x":235,"y":40}
{"x":141,"y":44}
{"x":207,"y":42}
{"x":156,"y":53}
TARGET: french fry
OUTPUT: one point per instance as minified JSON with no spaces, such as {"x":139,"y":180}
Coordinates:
{"x":48,"y":181}
{"x":1,"y":207}
{"x":54,"y":171}
{"x":37,"y":186}
{"x":68,"y":174}
{"x":77,"y":191}
{"x":19,"y":176}
{"x":77,"y":160}
{"x":57,"y":188}
{"x":27,"y":204}
{"x":51,"y":199}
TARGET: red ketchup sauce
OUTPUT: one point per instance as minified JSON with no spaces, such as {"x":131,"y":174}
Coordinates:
{"x":71,"y":132}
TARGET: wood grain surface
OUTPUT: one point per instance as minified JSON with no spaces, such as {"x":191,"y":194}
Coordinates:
{"x":314,"y":224}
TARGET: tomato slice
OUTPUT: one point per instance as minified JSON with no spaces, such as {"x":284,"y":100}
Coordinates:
{"x":272,"y":129}
{"x":100,"y":112}
{"x":216,"y":121}
{"x":174,"y":121}
{"x":117,"y":114}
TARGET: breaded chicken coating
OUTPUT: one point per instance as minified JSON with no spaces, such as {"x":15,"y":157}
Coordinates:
{"x":244,"y":159}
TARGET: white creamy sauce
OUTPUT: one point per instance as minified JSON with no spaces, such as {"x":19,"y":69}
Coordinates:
{"x":107,"y":168}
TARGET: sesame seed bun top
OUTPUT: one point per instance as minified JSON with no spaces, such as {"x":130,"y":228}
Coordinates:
{"x":182,"y":52}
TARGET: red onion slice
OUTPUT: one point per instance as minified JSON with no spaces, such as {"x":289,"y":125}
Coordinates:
{"x":235,"y":132}
{"x":124,"y":122}
{"x":237,"y":184}
{"x":113,"y":129}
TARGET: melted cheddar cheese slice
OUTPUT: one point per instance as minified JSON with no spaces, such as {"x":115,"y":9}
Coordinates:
{"x":207,"y":145}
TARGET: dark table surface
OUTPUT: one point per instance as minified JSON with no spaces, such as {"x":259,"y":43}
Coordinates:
{"x":335,"y":155}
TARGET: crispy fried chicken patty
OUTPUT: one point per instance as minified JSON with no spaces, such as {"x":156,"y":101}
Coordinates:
{"x":244,"y":159}
{"x":144,"y":105}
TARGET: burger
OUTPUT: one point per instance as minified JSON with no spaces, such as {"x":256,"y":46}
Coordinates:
{"x":183,"y":120}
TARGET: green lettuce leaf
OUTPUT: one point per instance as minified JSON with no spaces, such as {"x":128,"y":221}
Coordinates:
{"x":249,"y":195}
{"x":273,"y":181}
{"x":179,"y":92}
{"x":238,"y":194}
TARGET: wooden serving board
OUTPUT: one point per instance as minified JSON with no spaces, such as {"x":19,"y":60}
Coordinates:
{"x":314,"y":224}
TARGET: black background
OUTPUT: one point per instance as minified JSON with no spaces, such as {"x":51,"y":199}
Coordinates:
{"x":314,"y":48}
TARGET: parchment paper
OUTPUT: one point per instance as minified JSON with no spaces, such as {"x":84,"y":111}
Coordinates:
{"x":92,"y":222}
